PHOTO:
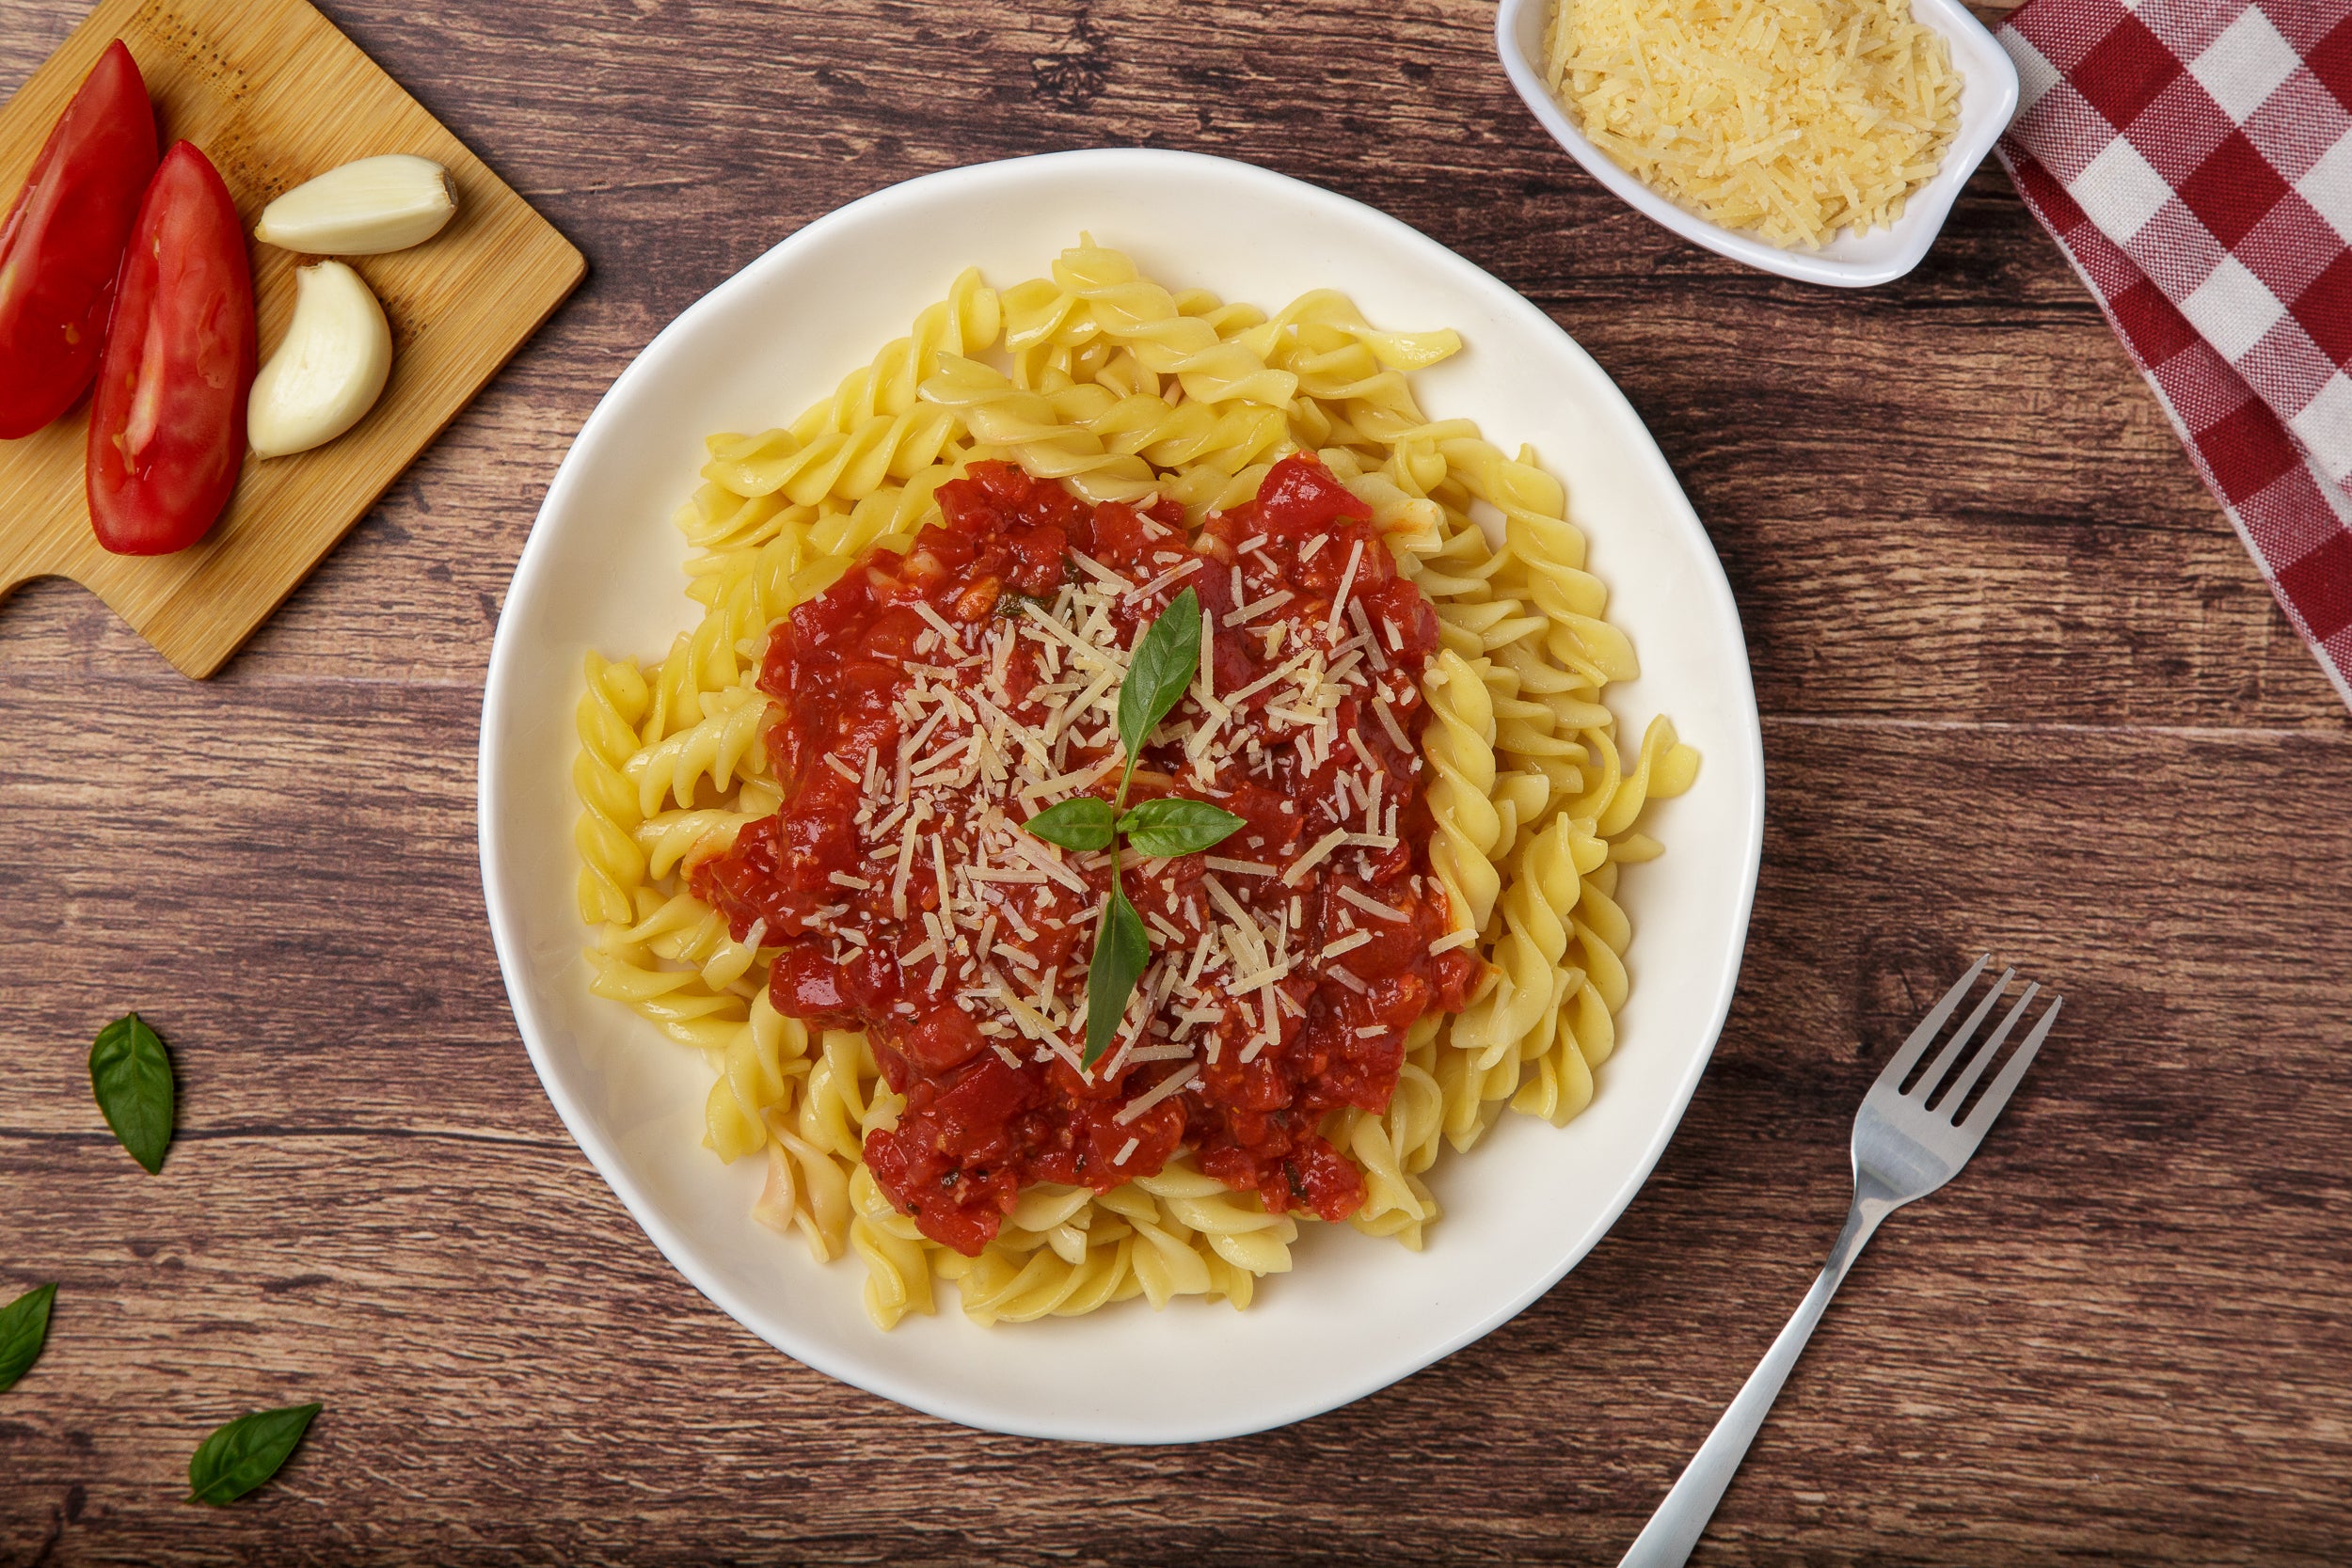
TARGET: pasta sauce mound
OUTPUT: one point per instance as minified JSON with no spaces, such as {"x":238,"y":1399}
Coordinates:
{"x":926,"y":705}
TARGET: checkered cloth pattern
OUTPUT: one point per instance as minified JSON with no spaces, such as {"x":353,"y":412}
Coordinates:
{"x":2193,"y":158}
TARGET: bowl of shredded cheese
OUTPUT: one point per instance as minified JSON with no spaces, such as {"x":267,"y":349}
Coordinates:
{"x":1823,"y":140}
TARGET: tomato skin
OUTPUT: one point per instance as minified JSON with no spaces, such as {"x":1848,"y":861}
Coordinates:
{"x":167,"y":430}
{"x":62,"y":242}
{"x":1299,"y":495}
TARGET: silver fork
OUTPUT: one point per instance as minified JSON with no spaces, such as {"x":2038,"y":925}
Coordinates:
{"x":1903,"y":1148}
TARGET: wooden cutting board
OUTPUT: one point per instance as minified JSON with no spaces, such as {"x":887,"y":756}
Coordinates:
{"x":275,"y":95}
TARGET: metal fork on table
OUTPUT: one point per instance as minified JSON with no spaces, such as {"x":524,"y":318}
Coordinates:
{"x":1904,"y":1147}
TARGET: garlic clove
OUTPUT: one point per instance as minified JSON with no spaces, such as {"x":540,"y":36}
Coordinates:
{"x":330,"y":370}
{"x":362,"y":209}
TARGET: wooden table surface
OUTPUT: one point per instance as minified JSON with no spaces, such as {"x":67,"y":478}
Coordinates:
{"x":2022,"y":689}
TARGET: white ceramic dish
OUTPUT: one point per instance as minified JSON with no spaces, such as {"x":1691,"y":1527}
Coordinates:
{"x":1988,"y":98}
{"x":602,"y":568}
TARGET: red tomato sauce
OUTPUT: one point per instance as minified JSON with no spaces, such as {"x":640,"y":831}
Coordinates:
{"x":924,"y":707}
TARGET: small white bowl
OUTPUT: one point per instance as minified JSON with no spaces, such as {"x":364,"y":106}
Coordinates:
{"x":1988,"y":98}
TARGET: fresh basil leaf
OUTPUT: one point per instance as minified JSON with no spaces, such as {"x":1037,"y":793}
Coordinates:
{"x":23,"y":1329}
{"x":245,"y":1452}
{"x":1082,"y":822}
{"x":1176,"y":826}
{"x":130,"y":1072}
{"x":1165,"y":659}
{"x":1121,"y":948}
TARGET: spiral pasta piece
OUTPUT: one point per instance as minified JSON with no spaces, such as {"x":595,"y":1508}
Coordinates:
{"x":898,"y":1267}
{"x":612,"y":866}
{"x":685,"y":931}
{"x":1340,"y":360}
{"x":849,"y":465}
{"x":1517,"y":1020}
{"x":686,"y":1009}
{"x":1023,"y":427}
{"x":1142,"y":316}
{"x":719,"y":519}
{"x":841,"y":1096}
{"x":1459,"y":745}
{"x":1393,"y":1148}
{"x":1167,"y":1264}
{"x":718,"y":748}
{"x":669,"y":838}
{"x":1334,"y":312}
{"x":1665,"y":767}
{"x":755,"y":1073}
{"x":807,"y":1190}
{"x":1413,"y":525}
{"x":1207,"y":447}
{"x":1234,"y":1225}
{"x":1005,"y":1286}
{"x":966,"y":322}
{"x":1553,"y":745}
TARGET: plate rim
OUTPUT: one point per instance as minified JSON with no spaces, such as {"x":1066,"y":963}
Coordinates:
{"x":503,"y":909}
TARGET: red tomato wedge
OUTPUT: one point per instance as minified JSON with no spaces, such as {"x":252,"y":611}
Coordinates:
{"x":167,"y":430}
{"x":62,"y":244}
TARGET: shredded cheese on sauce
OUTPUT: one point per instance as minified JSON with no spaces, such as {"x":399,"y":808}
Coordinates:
{"x":963,"y":724}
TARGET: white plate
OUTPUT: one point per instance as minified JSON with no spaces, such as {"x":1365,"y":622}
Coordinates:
{"x":602,"y":569}
{"x":1988,"y":97}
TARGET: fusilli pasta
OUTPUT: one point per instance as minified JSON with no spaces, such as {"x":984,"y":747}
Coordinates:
{"x":1103,"y":379}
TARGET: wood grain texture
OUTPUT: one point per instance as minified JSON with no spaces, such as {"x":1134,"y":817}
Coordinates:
{"x":2023,"y":689}
{"x":275,"y":95}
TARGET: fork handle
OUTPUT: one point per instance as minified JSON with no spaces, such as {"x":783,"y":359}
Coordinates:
{"x":1666,"y":1541}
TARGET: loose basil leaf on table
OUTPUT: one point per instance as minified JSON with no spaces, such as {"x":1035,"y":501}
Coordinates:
{"x":1121,"y":948}
{"x":130,"y":1072}
{"x":1176,"y":826}
{"x":245,"y":1452}
{"x":1165,"y":659}
{"x":23,"y":1329}
{"x":1081,"y":823}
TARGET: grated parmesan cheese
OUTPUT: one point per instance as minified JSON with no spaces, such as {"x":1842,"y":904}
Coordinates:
{"x":1792,"y":118}
{"x":1174,"y":1084}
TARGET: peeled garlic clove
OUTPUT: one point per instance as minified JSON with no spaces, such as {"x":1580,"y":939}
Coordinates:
{"x":362,"y":209}
{"x":328,"y":371}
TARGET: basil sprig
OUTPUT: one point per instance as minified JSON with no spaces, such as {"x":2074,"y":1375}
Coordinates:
{"x":245,"y":1452}
{"x":23,"y":1329}
{"x":130,"y":1072}
{"x":1163,"y":665}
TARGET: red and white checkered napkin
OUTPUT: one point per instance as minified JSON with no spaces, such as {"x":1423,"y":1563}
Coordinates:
{"x":2194,"y":160}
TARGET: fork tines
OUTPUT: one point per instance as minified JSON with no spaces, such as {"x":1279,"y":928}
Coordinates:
{"x":1949,"y":1098}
